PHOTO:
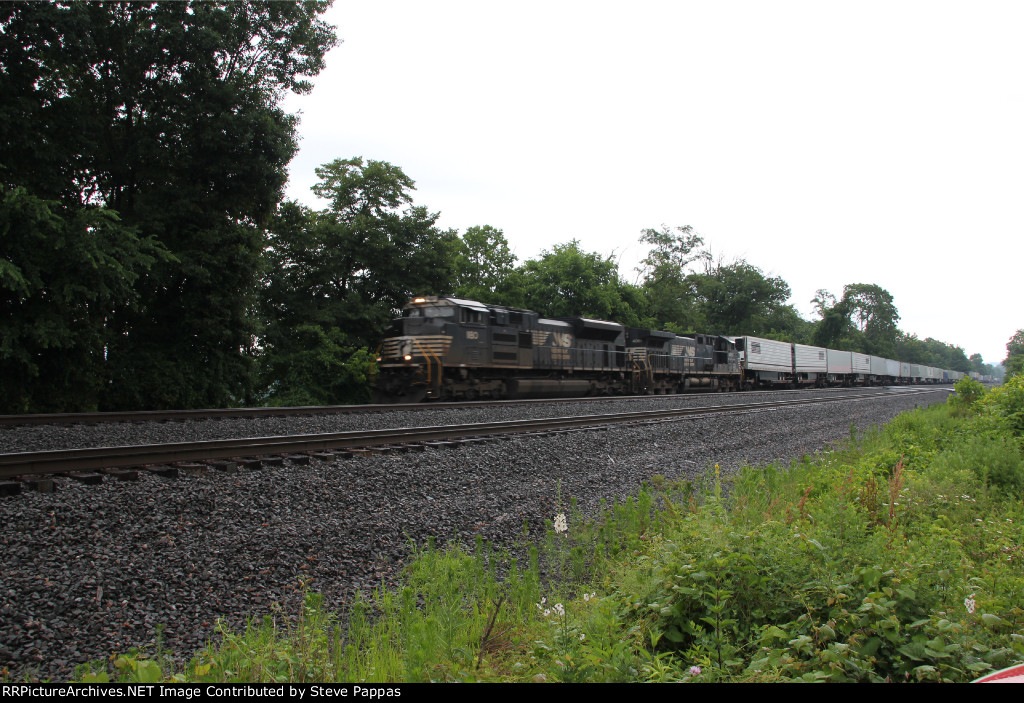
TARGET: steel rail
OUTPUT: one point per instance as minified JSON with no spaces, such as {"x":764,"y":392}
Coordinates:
{"x":214,"y":413}
{"x":71,"y":460}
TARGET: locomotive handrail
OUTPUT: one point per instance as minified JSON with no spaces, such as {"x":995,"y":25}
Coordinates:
{"x":427,"y":353}
{"x":641,"y":364}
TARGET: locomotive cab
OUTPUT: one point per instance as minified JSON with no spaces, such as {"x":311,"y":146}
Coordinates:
{"x":440,"y":348}
{"x":410,"y":358}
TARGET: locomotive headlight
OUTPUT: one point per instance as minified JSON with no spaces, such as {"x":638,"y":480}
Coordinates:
{"x":419,"y":300}
{"x":407,"y":357}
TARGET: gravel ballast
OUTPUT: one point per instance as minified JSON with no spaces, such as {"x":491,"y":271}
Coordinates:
{"x":92,"y":570}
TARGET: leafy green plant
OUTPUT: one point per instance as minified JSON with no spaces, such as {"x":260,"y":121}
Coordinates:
{"x":968,"y":393}
{"x":1006,"y":404}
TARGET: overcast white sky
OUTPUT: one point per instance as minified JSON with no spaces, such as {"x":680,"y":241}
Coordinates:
{"x":825,"y":142}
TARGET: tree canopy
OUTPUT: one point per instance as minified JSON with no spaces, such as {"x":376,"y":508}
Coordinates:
{"x":1014,"y":363}
{"x":336,"y":277}
{"x":566,"y":281}
{"x":688,"y":290}
{"x":863,"y":320}
{"x":62,"y":273}
{"x":672,"y":302}
{"x":483,"y":265}
{"x":165,"y":116}
{"x":738,"y":298}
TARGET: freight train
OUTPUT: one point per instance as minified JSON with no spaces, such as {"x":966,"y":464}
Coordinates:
{"x":446,"y":348}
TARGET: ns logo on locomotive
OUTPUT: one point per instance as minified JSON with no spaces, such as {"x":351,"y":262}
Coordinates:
{"x":454,"y":349}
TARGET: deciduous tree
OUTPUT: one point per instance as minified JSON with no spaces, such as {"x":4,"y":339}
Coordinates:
{"x":166,"y":113}
{"x":339,"y":275}
{"x":738,"y":298}
{"x":1014,"y":363}
{"x":63,"y":271}
{"x":567,"y":281}
{"x":863,"y":320}
{"x":872,"y":310}
{"x":484,"y":264}
{"x":669,"y":291}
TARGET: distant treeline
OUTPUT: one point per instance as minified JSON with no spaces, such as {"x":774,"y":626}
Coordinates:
{"x":148,"y":260}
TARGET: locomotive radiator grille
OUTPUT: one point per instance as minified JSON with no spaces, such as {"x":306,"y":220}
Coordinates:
{"x":398,"y":347}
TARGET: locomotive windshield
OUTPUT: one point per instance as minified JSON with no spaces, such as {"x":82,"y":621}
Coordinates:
{"x":431,"y":311}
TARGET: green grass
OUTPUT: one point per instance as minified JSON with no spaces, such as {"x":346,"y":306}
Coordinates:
{"x":897,"y":557}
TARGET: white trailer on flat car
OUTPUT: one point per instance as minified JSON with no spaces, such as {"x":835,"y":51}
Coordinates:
{"x":765,"y":362}
{"x":810,"y":364}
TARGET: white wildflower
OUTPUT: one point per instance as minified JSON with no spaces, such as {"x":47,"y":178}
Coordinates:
{"x":560,"y":523}
{"x":969,"y":604}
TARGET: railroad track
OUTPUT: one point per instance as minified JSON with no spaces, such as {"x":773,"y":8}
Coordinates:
{"x":70,"y":461}
{"x":225,"y":413}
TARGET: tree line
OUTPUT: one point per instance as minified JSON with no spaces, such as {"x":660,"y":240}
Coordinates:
{"x":148,"y":260}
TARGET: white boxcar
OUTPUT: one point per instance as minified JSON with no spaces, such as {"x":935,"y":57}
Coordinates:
{"x":809,"y":359}
{"x":892,"y":368}
{"x":878,"y":367}
{"x":917,"y":372}
{"x":904,"y":370}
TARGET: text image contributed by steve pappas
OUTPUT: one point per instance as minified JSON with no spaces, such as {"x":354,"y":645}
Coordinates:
{"x":190,"y":692}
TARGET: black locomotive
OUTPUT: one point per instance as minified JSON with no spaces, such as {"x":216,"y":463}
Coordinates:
{"x":450,"y":348}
